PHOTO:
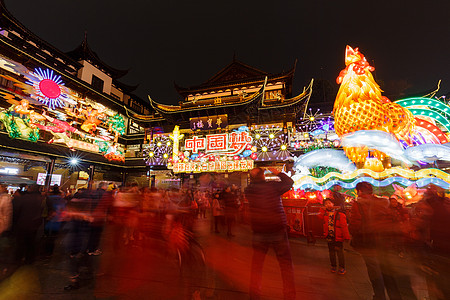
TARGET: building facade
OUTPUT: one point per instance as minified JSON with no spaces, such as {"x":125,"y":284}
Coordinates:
{"x":240,"y":118}
{"x":64,"y":113}
{"x":68,"y":114}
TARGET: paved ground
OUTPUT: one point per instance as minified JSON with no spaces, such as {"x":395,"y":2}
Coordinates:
{"x":149,"y":270}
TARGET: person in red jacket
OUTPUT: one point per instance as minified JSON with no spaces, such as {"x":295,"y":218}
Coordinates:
{"x":335,"y":230}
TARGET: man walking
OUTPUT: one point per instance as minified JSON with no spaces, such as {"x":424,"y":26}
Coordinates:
{"x":368,"y":226}
{"x":269,"y":225}
{"x":27,"y":217}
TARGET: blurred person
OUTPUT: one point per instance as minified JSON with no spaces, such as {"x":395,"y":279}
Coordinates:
{"x":238,"y":196}
{"x":191,"y":202}
{"x":217,"y":212}
{"x":6,"y":212}
{"x":21,"y":190}
{"x":230,"y":205}
{"x":338,"y":198}
{"x":269,"y":225}
{"x":202,"y":204}
{"x":397,"y":261}
{"x":101,"y":200}
{"x":56,"y":205}
{"x":335,"y":230}
{"x":27,"y":217}
{"x":78,"y":218}
{"x":153,"y":208}
{"x":367,"y":224}
{"x":399,"y":218}
{"x":432,"y":219}
{"x":126,"y":206}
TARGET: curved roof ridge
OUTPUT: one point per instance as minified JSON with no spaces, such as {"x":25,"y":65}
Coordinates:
{"x":184,"y":91}
{"x":235,"y":62}
{"x":85,"y":52}
{"x":169,"y":109}
{"x":7,"y":15}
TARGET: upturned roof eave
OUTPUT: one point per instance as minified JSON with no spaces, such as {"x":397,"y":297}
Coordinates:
{"x":228,"y":85}
{"x":306,"y":94}
{"x":184,"y":91}
{"x":178,"y":109}
{"x":6,"y":15}
{"x":84,"y":52}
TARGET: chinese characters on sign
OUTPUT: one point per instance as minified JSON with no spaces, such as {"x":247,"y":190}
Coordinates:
{"x":209,"y":123}
{"x":225,"y":143}
{"x":194,"y":144}
{"x":213,"y":166}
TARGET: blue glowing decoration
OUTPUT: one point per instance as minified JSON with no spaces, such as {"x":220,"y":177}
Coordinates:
{"x":242,"y":128}
{"x":317,"y":132}
{"x":325,"y":158}
{"x":388,"y":181}
{"x":247,"y":153}
{"x":376,"y":139}
{"x":428,"y":153}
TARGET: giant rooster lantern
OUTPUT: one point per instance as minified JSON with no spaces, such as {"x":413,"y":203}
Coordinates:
{"x":375,"y":133}
{"x":359,"y":105}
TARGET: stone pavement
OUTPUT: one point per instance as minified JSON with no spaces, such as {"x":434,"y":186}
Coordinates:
{"x":149,"y":270}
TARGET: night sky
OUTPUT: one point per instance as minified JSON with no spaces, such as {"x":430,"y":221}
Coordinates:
{"x":187,"y":42}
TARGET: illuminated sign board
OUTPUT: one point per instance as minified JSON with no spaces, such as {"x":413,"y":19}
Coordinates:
{"x":56,"y":179}
{"x":226,"y":152}
{"x":225,"y":144}
{"x":9,"y":171}
{"x":83,"y":145}
{"x":209,"y":123}
{"x":213,"y":166}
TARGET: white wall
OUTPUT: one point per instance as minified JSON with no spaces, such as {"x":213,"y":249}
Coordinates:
{"x":86,"y":72}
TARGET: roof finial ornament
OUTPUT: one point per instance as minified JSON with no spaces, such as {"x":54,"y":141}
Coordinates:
{"x":84,"y":43}
{"x":234,"y":56}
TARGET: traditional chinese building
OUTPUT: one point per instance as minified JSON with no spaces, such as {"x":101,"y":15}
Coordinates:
{"x":57,"y":108}
{"x":239,"y":118}
{"x":64,"y":113}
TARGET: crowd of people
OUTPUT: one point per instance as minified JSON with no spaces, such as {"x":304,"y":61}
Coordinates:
{"x":79,"y":217}
{"x":396,"y":241}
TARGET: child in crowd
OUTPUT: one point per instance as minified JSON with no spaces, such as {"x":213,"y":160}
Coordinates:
{"x":335,"y":229}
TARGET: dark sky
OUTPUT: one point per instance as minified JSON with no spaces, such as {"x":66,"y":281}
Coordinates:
{"x":187,"y":42}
